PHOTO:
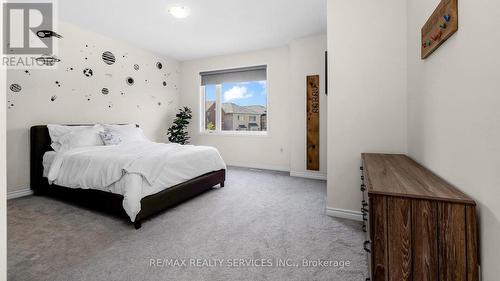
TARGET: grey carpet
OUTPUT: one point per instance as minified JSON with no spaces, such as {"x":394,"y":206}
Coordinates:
{"x":258,"y":215}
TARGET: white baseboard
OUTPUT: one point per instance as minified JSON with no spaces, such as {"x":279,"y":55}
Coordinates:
{"x":259,"y":166}
{"x":19,"y":193}
{"x":308,"y":175}
{"x":344,"y":214}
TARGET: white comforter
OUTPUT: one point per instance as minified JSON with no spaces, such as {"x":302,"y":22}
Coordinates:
{"x":134,"y":170}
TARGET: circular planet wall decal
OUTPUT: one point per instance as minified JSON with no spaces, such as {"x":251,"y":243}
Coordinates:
{"x":136,"y":66}
{"x":130,"y":81}
{"x":15,"y":88}
{"x":159,"y":65}
{"x":105,"y":91}
{"x":88,"y":72}
{"x":164,"y":83}
{"x":108,"y":58}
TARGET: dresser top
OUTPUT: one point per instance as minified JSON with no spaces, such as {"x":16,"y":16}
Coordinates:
{"x":399,"y":175}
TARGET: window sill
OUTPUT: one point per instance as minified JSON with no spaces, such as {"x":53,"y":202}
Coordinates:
{"x":235,"y":133}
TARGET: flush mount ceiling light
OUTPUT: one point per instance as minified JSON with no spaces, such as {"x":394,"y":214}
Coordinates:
{"x":179,"y":12}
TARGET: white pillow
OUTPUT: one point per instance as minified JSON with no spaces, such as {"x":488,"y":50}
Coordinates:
{"x":57,"y":131}
{"x":81,"y":138}
{"x":128,"y":133}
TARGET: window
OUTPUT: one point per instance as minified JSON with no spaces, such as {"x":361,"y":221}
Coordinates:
{"x":234,"y":100}
{"x":210,"y":107}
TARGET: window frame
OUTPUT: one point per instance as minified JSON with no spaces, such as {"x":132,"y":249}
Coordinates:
{"x":218,"y":115}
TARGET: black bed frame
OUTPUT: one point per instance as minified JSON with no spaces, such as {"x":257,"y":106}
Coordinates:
{"x":106,"y":201}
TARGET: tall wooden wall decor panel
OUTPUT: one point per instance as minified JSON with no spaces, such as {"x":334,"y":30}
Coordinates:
{"x":313,"y":122}
{"x":439,"y":27}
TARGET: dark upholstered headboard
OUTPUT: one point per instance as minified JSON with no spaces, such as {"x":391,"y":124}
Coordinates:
{"x":39,"y":144}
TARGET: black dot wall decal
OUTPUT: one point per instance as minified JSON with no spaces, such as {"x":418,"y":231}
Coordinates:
{"x":122,"y":93}
{"x":88,"y":72}
{"x":27,"y":72}
{"x":10,"y":104}
{"x":16,"y":88}
{"x":58,"y":84}
{"x":159,"y":65}
{"x":53,"y":98}
{"x":136,"y":66}
{"x":108,"y":58}
{"x":164,"y":83}
{"x":88,"y":97}
{"x":130,"y":81}
{"x":105,"y":91}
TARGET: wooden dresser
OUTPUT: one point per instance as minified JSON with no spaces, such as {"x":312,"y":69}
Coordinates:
{"x":418,"y":226}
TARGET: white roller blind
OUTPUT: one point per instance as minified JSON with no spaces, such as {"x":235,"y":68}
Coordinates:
{"x":235,"y":75}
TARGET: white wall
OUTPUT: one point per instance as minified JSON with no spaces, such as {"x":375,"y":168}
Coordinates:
{"x":148,"y":102}
{"x":271,"y":151}
{"x":3,"y":180}
{"x":453,"y":111}
{"x":307,"y":57}
{"x":367,"y":90}
{"x":284,"y":148}
{"x":3,"y":169}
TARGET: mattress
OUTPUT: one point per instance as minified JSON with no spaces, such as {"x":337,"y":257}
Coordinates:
{"x":134,"y":170}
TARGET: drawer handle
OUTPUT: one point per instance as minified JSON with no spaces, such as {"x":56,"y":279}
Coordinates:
{"x":365,"y":246}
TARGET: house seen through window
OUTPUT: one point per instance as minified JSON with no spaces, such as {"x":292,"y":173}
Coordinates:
{"x":234,"y":100}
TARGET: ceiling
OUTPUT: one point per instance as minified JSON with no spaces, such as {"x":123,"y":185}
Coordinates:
{"x":215,"y":27}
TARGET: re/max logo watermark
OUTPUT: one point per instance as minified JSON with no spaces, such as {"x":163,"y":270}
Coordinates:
{"x":28,"y":34}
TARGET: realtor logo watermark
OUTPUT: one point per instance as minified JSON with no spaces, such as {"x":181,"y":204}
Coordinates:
{"x":29,"y":39}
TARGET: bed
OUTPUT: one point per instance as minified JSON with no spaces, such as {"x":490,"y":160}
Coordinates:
{"x":109,"y":202}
